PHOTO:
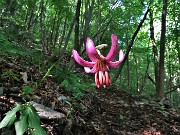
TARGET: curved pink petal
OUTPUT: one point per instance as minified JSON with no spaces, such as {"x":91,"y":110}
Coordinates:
{"x":97,"y":80}
{"x":90,"y":70}
{"x":116,"y":63}
{"x":114,"y":48}
{"x":91,"y":50}
{"x":108,"y":80}
{"x":121,"y":56}
{"x":81,"y":61}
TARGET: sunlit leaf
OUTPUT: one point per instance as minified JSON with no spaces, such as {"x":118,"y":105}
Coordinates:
{"x":27,"y":89}
{"x":11,"y":115}
{"x":21,"y":125}
{"x":34,"y":122}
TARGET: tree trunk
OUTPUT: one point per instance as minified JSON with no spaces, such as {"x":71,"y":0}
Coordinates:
{"x":99,"y":21}
{"x":155,"y":51}
{"x":130,"y":46}
{"x":57,"y":30}
{"x":136,"y":70}
{"x":87,"y":16}
{"x":30,"y":15}
{"x":70,"y":31}
{"x":63,"y":34}
{"x":160,"y":92}
{"x":143,"y":83}
{"x":76,"y":39}
{"x":128,"y":68}
{"x":53,"y":29}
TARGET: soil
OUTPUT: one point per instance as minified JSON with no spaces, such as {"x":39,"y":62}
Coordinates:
{"x":110,"y":111}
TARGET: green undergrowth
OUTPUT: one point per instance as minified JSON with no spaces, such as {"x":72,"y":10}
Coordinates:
{"x":71,"y":81}
{"x":12,"y":48}
{"x":77,"y":84}
{"x":28,"y":121}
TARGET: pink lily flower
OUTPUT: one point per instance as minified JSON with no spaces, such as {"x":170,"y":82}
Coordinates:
{"x":99,"y":64}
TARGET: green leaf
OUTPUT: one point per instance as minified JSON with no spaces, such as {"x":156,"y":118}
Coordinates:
{"x":11,"y":121}
{"x":21,"y":125}
{"x":10,"y":117}
{"x":48,"y":72}
{"x":65,"y":83}
{"x":27,"y":89}
{"x":34,"y":122}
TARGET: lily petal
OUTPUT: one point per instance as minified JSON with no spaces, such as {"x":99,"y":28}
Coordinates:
{"x":88,"y":70}
{"x":97,"y":80}
{"x":116,"y":63}
{"x":101,"y":77}
{"x":121,"y":55}
{"x":81,"y":61}
{"x":108,"y":80}
{"x":91,"y":50}
{"x":114,"y":48}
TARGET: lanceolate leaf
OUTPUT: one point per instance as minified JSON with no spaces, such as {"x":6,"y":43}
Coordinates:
{"x":11,"y":121}
{"x":34,"y":122}
{"x":21,"y":125}
{"x":11,"y":115}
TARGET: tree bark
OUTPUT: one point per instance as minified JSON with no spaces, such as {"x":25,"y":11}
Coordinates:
{"x":62,"y":35}
{"x":70,"y":31}
{"x":128,"y":68}
{"x":146,"y":74}
{"x":160,"y":92}
{"x":53,"y":29}
{"x":155,"y":51}
{"x":76,"y":39}
{"x":87,"y":16}
{"x":99,"y":22}
{"x":59,"y":21}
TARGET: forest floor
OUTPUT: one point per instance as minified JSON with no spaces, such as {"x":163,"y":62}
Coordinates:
{"x":110,"y":111}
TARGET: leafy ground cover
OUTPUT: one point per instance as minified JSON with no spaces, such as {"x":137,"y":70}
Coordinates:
{"x":88,"y":110}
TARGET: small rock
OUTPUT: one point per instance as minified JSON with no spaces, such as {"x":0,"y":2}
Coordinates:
{"x":47,"y":113}
{"x":62,"y":98}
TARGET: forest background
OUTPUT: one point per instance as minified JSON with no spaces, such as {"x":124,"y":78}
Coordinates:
{"x":45,"y":32}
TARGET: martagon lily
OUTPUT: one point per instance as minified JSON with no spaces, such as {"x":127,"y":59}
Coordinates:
{"x":99,"y":64}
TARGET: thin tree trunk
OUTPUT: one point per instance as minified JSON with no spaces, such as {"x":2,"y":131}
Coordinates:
{"x":57,"y":29}
{"x":102,"y":30}
{"x":146,"y":73}
{"x":63,"y":34}
{"x":30,"y":19}
{"x":130,"y":46}
{"x":136,"y":70}
{"x":53,"y":29}
{"x":128,"y":68}
{"x":41,"y":24}
{"x":99,"y":21}
{"x":155,"y":51}
{"x":160,"y":92}
{"x":76,"y":39}
{"x":30,"y":15}
{"x":88,"y":16}
{"x":70,"y":32}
